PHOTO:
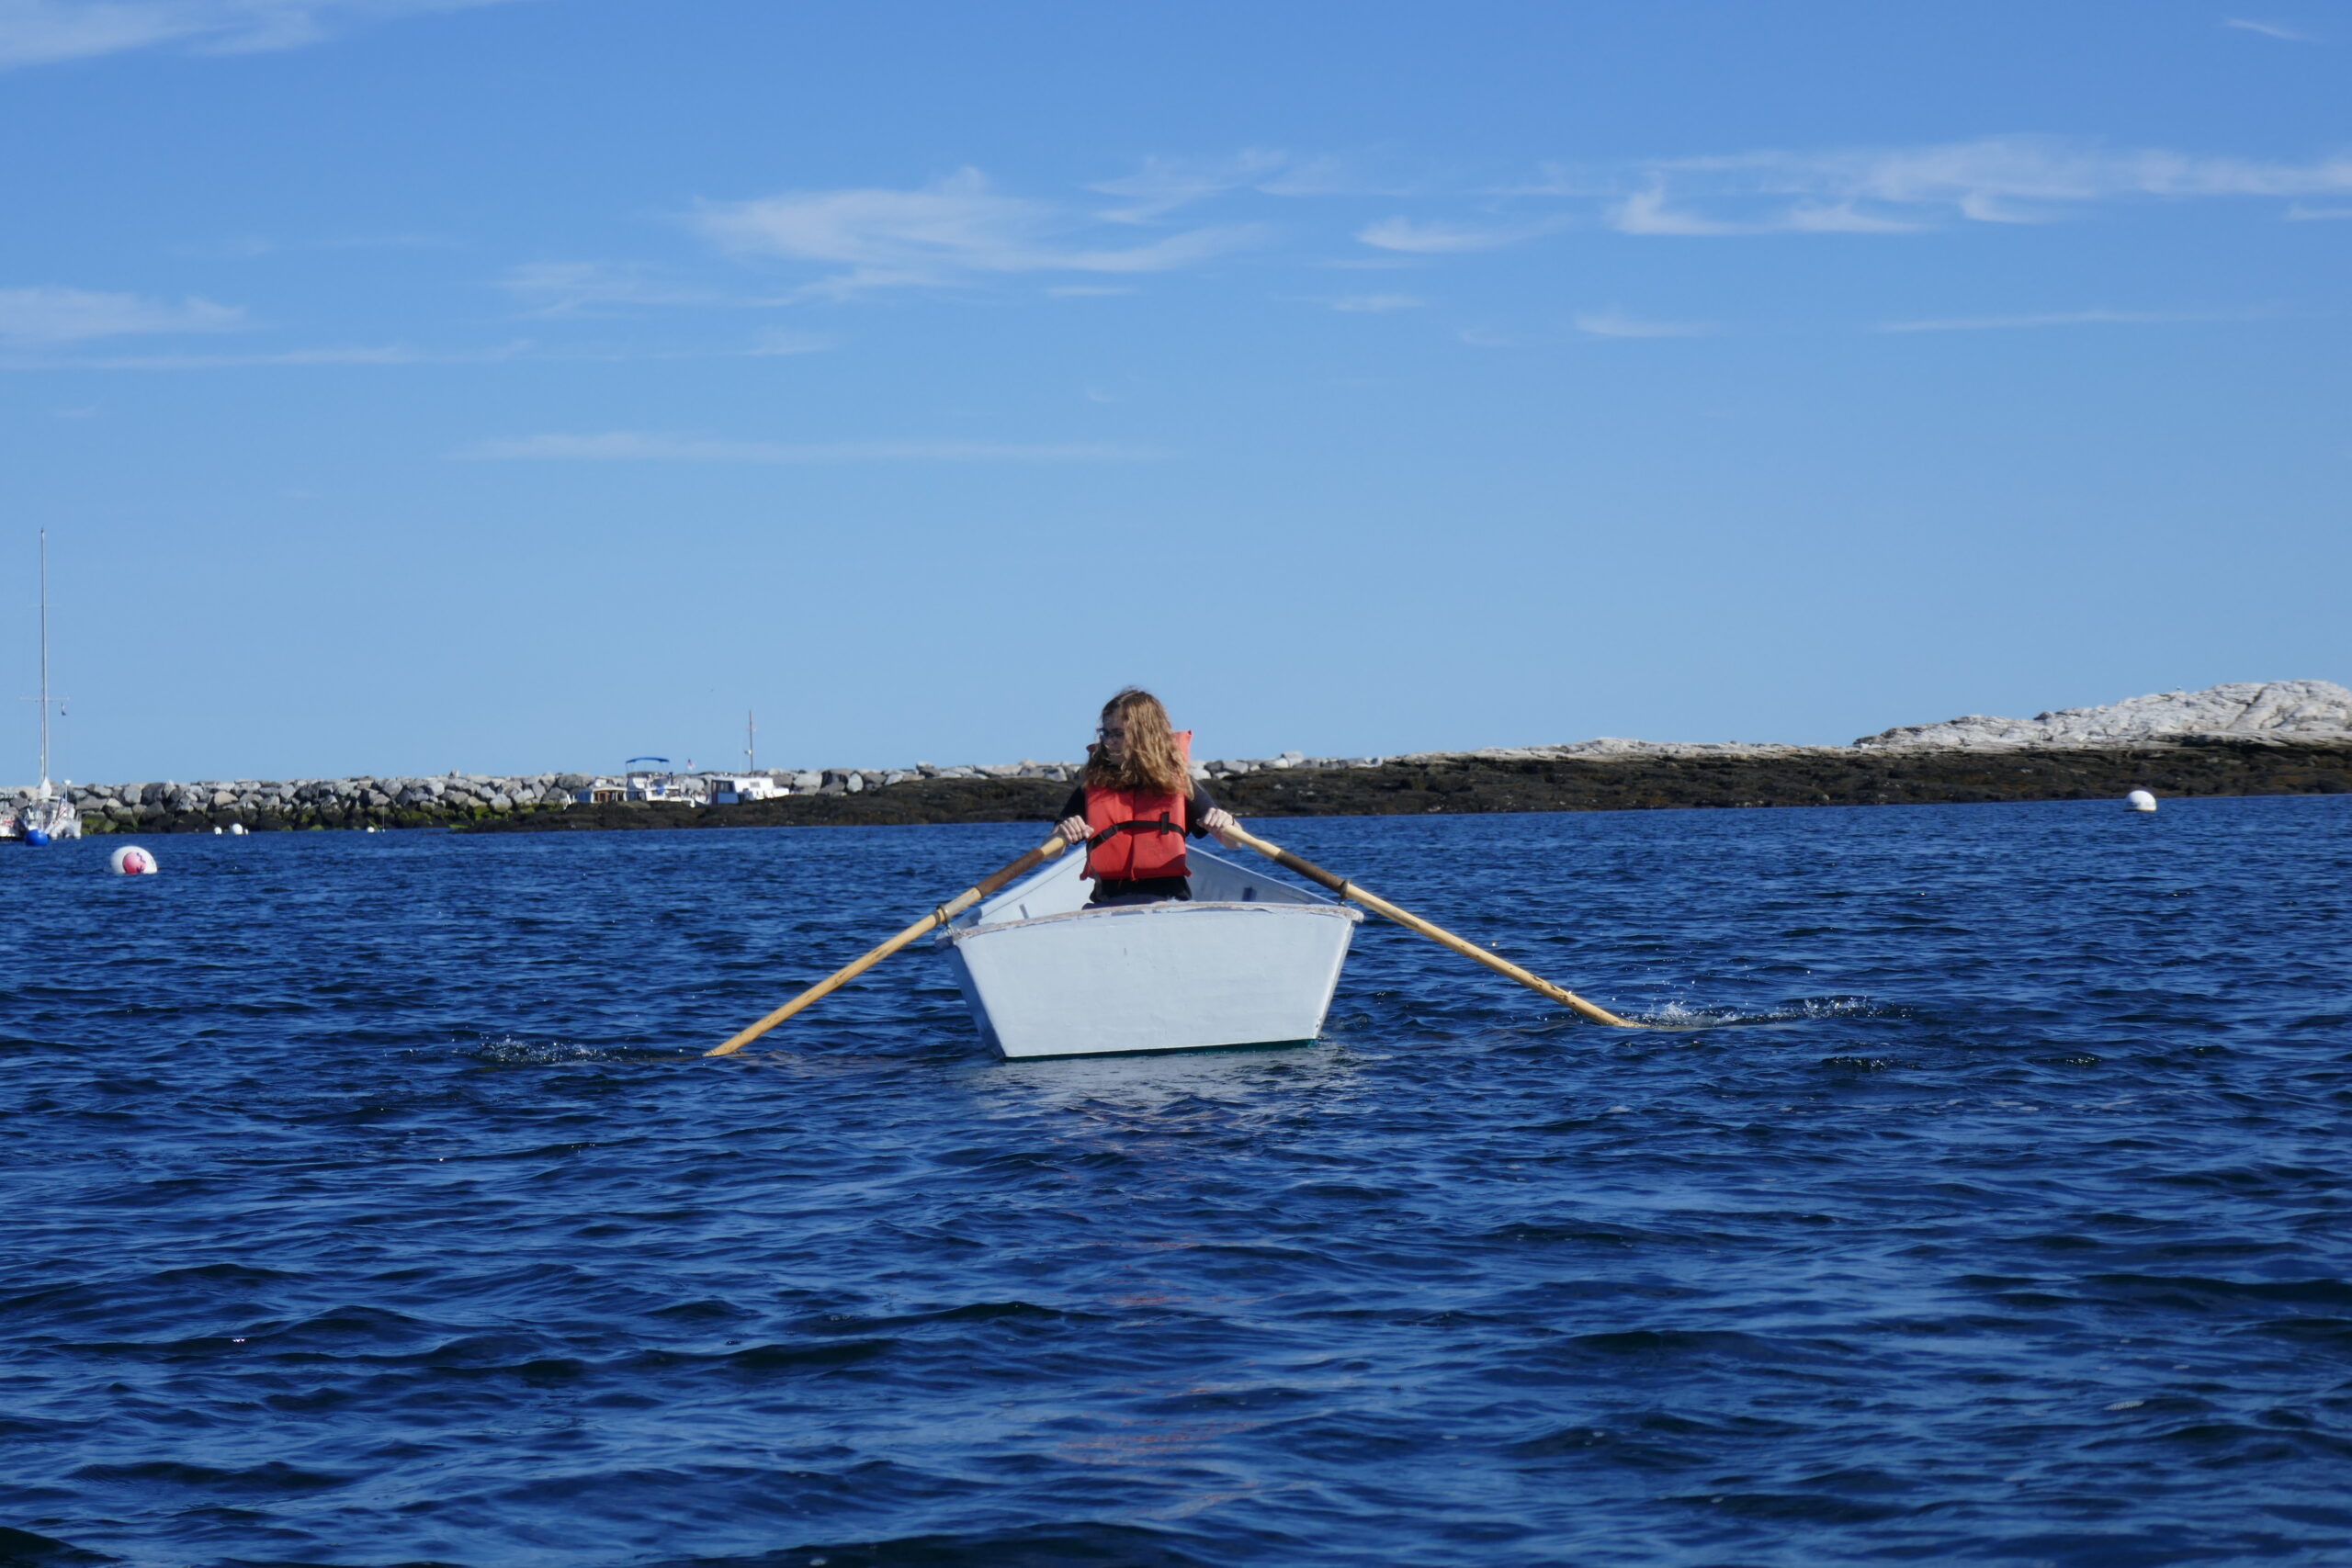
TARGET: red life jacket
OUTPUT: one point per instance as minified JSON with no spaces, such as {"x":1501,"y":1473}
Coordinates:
{"x":1135,"y":833}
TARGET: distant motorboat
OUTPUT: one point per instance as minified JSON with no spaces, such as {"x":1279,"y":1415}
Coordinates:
{"x":1248,"y":961}
{"x":645,"y":785}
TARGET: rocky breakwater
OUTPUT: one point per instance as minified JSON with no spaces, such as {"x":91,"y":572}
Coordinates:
{"x":446,"y":801}
{"x":2270,"y":738}
{"x":2262,"y":709}
{"x":2277,"y":738}
{"x":856,"y":781}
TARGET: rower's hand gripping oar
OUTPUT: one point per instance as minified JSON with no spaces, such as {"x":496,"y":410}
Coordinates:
{"x":939,"y":917}
{"x":1346,"y":889}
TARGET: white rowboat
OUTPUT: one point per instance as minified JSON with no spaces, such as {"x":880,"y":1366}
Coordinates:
{"x":1249,"y":961}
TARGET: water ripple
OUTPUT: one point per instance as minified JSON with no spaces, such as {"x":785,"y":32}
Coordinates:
{"x":1980,"y":1195}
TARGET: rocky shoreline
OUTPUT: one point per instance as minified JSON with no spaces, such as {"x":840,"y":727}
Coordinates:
{"x":1459,"y":782}
{"x":2273,"y":737}
{"x":1468,"y":784}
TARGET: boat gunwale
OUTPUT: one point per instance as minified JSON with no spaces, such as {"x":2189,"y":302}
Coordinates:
{"x":957,"y":934}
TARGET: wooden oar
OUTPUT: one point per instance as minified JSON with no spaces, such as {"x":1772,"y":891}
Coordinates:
{"x":939,"y":917}
{"x":1410,"y":921}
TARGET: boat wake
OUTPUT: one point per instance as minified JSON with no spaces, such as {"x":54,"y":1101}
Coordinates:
{"x":508,"y":1051}
{"x":1804,"y":1009}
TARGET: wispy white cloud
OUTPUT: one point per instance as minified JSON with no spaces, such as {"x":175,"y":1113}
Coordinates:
{"x":949,"y":232}
{"x":1882,"y":190}
{"x":244,"y":247}
{"x":1614,"y":323}
{"x":1648,"y":212}
{"x":41,"y":32}
{"x":2279,"y":31}
{"x":1162,"y":185}
{"x":568,"y":288}
{"x":1327,"y":175}
{"x":768,"y":346}
{"x":392,"y":353}
{"x":1487,"y":337}
{"x":555,"y":289}
{"x":785,"y":344}
{"x":641,"y":446}
{"x":73,"y":315}
{"x":2095,"y":318}
{"x":1418,"y":237}
{"x":1375,"y":304}
{"x":1893,"y":190}
{"x":2299,"y":213}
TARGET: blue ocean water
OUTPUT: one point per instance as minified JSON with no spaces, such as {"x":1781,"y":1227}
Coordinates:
{"x":366,"y":1202}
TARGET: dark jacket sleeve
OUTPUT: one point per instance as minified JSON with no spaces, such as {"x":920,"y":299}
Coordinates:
{"x":1074,"y":807}
{"x":1200,"y":805}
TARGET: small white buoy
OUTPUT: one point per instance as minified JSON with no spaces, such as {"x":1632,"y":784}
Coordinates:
{"x":2139,"y":800}
{"x":215,"y":832}
{"x":132,"y":861}
{"x":237,"y":830}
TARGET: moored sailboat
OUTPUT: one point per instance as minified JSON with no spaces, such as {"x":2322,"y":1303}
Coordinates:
{"x":49,"y":815}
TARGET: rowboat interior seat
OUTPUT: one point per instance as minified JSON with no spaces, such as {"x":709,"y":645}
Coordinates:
{"x":1059,"y":889}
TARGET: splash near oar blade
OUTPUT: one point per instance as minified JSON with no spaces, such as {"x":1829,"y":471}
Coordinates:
{"x":1410,"y":921}
{"x":932,"y":921}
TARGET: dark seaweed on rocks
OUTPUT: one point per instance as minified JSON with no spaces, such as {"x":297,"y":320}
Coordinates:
{"x":1822,"y":776}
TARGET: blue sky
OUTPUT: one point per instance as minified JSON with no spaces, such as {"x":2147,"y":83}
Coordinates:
{"x":411,"y":386}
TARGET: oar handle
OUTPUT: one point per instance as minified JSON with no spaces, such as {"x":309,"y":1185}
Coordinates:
{"x":939,"y":917}
{"x":1410,"y":921}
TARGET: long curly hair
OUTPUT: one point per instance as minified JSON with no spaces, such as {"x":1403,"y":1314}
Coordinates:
{"x":1154,"y":763}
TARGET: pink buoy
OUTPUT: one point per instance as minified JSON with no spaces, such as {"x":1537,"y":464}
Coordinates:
{"x":132,"y":861}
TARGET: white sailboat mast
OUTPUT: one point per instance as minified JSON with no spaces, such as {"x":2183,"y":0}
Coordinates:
{"x":44,"y":663}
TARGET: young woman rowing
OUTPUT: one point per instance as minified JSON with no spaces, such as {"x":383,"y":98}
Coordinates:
{"x":1136,"y":802}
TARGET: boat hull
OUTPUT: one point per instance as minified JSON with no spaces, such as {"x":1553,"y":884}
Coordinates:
{"x":39,"y":822}
{"x":1172,"y":976}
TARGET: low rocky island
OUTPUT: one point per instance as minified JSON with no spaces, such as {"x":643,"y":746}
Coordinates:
{"x":2274,"y":737}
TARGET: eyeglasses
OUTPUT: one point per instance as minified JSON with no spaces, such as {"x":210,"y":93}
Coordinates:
{"x":1110,"y":732}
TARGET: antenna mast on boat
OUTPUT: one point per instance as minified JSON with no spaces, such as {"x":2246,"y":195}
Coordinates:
{"x":751,"y":742}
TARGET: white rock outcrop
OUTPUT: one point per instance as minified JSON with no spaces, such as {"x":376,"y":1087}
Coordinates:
{"x":2279,"y":709}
